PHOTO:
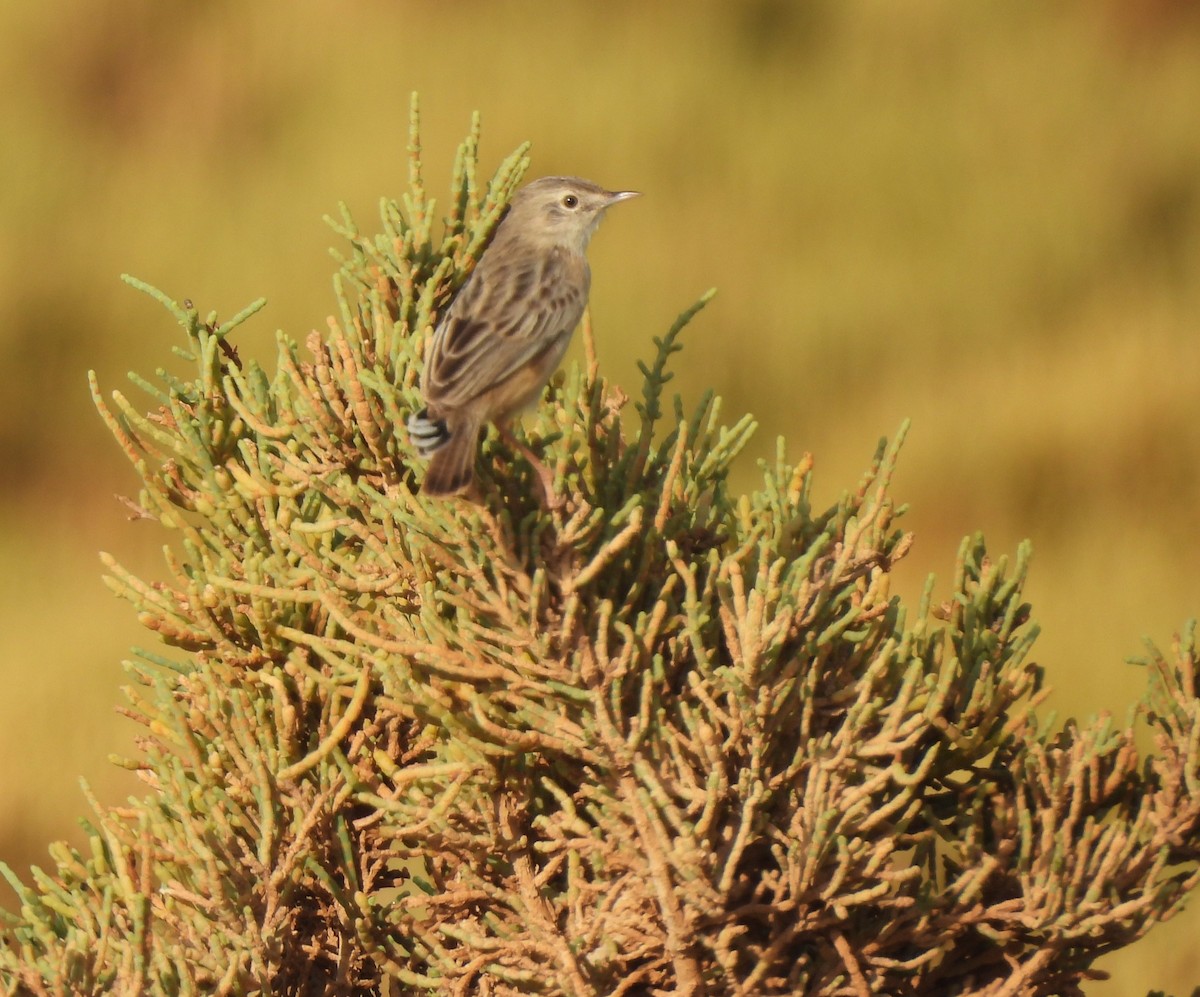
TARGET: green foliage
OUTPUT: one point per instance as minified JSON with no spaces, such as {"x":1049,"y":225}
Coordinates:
{"x":658,"y":739}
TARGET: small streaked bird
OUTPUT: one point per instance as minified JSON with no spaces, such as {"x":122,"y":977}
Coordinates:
{"x":508,"y":328}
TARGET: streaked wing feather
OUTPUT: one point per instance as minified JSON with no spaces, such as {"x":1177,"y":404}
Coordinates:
{"x":499,"y":322}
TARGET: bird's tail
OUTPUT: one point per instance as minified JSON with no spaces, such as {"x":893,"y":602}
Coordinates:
{"x":450,"y":447}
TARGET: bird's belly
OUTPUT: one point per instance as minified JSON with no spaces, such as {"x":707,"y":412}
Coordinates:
{"x":522,"y":389}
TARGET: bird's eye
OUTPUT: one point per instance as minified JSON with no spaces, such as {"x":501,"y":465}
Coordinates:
{"x":570,"y":201}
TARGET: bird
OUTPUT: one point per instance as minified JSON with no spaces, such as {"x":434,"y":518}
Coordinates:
{"x":507,"y":329}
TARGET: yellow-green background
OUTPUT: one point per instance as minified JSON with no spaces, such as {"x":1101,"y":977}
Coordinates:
{"x":985,"y":216}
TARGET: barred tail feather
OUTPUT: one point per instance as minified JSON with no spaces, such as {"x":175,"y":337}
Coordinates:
{"x":452,"y":467}
{"x":450,"y":448}
{"x":427,"y":433}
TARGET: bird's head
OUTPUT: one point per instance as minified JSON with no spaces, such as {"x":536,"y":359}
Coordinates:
{"x":561,"y":210}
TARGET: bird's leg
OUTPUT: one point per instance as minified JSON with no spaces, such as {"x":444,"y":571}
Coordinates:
{"x":550,"y":501}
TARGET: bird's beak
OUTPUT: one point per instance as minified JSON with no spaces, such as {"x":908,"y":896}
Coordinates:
{"x":622,"y":195}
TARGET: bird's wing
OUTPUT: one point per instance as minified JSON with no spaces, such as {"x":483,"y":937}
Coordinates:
{"x":503,"y":317}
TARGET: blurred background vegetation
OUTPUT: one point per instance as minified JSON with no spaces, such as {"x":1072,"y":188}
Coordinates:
{"x":983,"y":216}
